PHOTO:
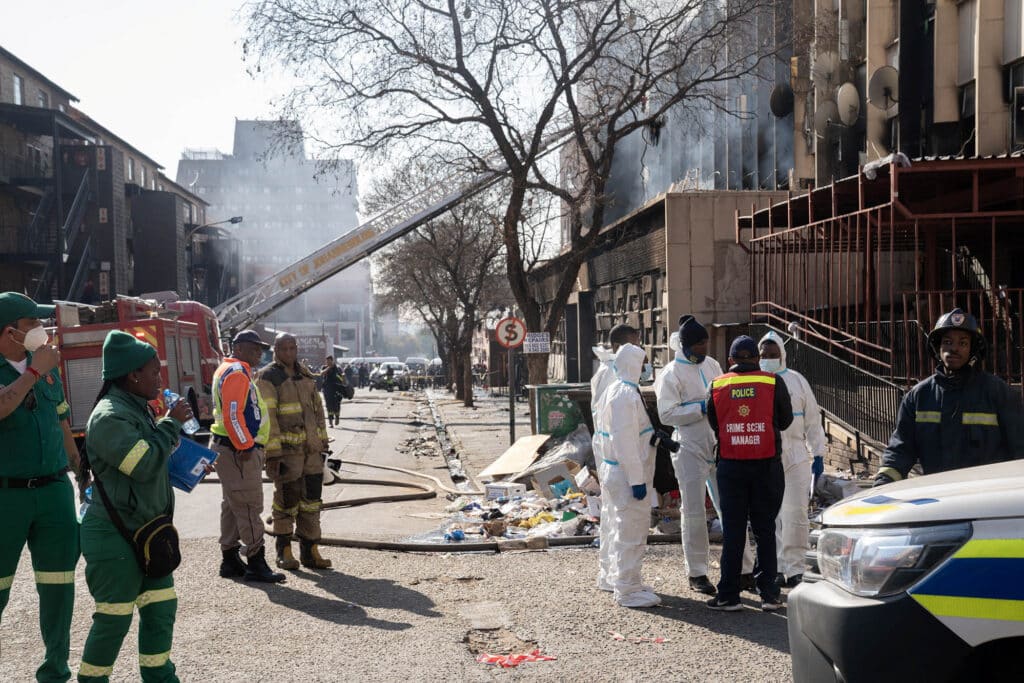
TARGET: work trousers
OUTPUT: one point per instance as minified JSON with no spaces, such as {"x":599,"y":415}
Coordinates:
{"x":792,"y":528}
{"x":696,"y":475}
{"x":118,"y":586}
{"x":241,"y":482}
{"x":298,"y":486}
{"x":750,"y":490}
{"x":43,"y":517}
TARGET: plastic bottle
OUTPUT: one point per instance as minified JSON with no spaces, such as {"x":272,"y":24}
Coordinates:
{"x":191,"y":426}
{"x":85,"y":505}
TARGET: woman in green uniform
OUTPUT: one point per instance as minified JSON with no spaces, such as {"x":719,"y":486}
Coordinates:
{"x":128,"y":451}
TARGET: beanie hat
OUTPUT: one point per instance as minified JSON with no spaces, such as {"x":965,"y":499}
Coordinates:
{"x":123,"y":353}
{"x":691,"y":332}
{"x":743,"y":348}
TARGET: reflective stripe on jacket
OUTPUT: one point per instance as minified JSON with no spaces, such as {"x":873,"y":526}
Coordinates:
{"x":244,"y":421}
{"x":744,"y":404}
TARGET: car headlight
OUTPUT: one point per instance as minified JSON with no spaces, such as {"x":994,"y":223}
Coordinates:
{"x":884,"y":561}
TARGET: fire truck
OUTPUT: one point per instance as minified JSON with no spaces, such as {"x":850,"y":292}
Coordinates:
{"x":186,"y":336}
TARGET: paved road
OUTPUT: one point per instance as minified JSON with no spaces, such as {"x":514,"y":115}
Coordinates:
{"x":388,"y":616}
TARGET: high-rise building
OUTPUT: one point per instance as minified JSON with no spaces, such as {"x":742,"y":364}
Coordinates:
{"x":289,"y":205}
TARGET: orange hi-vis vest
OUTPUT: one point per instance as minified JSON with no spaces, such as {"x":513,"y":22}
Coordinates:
{"x":744,"y":405}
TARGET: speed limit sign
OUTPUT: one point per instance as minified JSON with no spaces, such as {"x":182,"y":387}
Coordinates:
{"x":510,"y":332}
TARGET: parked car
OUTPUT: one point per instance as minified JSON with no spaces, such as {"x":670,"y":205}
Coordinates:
{"x":919,"y":580}
{"x":400,"y":376}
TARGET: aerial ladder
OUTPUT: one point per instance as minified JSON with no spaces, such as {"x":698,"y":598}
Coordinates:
{"x":265,"y":297}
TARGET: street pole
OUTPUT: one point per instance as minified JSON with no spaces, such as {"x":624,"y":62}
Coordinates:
{"x":511,"y":398}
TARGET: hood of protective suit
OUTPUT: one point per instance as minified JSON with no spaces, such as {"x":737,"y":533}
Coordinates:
{"x":604,"y":355}
{"x":673,"y":342}
{"x":774,"y":336}
{"x":629,"y":363}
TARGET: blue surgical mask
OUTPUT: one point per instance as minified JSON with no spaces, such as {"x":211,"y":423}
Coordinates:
{"x":647,"y":373}
{"x":771,"y":364}
{"x":695,"y":358}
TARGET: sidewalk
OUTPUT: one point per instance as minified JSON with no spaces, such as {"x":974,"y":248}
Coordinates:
{"x":480,"y":434}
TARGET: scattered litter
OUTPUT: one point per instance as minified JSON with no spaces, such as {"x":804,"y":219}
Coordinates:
{"x":639,"y":639}
{"x":509,"y":661}
{"x":455,"y":535}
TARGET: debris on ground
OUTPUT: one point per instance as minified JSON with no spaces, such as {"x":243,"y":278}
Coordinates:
{"x":509,"y":661}
{"x":636,"y":640}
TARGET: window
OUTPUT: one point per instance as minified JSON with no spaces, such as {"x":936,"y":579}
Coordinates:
{"x":131,"y":170}
{"x":142,"y":175}
{"x":18,"y":89}
{"x":43,"y":99}
{"x":967,"y":14}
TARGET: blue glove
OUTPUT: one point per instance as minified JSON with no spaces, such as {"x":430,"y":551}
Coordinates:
{"x":817,"y":467}
{"x":640,"y":491}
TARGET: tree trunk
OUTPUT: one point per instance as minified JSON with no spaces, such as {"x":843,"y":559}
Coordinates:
{"x":537,"y":364}
{"x":459,"y":372}
{"x":467,"y":379}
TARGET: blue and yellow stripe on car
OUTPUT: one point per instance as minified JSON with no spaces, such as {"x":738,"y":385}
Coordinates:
{"x":980,"y":584}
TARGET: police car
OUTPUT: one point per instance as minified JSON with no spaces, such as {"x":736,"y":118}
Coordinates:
{"x":921,"y":580}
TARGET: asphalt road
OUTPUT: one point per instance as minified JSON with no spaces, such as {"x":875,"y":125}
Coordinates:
{"x":384,"y":616}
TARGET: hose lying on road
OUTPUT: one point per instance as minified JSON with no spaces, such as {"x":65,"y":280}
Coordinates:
{"x":538,"y":543}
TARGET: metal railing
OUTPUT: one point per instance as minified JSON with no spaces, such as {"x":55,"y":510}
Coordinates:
{"x":33,"y":240}
{"x":78,"y":281}
{"x":76,"y":215}
{"x":864,"y":402}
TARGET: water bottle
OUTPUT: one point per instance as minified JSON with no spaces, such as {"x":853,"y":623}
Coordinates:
{"x":85,"y":506}
{"x":171,"y":399}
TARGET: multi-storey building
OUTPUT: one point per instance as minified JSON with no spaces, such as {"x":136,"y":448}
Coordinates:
{"x":288,"y":209}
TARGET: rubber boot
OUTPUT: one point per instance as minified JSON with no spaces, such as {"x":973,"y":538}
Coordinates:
{"x":310,"y":556}
{"x":259,"y":571}
{"x":232,"y":566}
{"x":285,"y":559}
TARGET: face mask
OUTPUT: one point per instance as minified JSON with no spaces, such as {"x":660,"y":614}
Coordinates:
{"x":647,"y":373}
{"x":695,"y":358}
{"x":771,"y":364}
{"x":35,"y":338}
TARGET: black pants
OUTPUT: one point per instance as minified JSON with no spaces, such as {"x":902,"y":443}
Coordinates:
{"x":749,"y":489}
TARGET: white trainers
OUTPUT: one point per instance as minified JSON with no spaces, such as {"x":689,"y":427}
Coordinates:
{"x":639,"y":599}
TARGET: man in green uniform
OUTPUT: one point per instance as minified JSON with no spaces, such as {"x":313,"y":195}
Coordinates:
{"x":128,"y":451}
{"x":37,"y":501}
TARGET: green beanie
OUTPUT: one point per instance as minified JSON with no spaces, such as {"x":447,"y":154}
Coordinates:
{"x":123,"y":353}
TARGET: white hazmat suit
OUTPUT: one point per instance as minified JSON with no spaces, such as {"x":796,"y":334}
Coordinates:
{"x":681,"y":389}
{"x":625,"y":458}
{"x":604,"y":376}
{"x":803,"y":440}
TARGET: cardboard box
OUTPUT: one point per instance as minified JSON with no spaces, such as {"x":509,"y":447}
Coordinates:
{"x":557,"y":480}
{"x":587,"y":482}
{"x":503,"y":489}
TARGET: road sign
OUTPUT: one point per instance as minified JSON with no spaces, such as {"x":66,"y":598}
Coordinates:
{"x":537,"y":342}
{"x":510,"y":332}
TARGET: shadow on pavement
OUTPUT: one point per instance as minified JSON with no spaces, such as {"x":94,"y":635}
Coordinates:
{"x":337,"y":612}
{"x":750,"y":624}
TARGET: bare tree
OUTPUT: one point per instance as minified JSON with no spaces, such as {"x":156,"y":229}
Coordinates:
{"x":444,"y":270}
{"x":502,"y":79}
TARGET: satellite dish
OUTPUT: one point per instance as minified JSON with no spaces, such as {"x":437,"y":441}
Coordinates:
{"x":848,"y":103}
{"x":826,"y":114}
{"x":823,"y":72}
{"x":884,"y":87}
{"x":781,"y":101}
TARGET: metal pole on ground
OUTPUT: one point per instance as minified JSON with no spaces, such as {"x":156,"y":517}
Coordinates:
{"x":511,"y":397}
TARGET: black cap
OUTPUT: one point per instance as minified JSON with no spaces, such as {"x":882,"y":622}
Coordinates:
{"x":250,"y":336}
{"x":743,"y":348}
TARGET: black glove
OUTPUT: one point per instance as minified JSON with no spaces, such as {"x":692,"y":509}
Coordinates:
{"x":883,"y":479}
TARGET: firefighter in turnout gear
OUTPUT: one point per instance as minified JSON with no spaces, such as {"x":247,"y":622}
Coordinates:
{"x":37,"y":500}
{"x":295,"y":453}
{"x":959,"y":417}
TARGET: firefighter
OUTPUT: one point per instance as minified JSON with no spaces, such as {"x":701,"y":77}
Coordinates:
{"x":295,"y":454}
{"x":239,"y":441}
{"x":333,"y":383}
{"x":959,"y":417}
{"x":128,"y":451}
{"x":748,"y":410}
{"x":37,"y":501}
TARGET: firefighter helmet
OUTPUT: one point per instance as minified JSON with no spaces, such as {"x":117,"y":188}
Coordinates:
{"x":958,"y":319}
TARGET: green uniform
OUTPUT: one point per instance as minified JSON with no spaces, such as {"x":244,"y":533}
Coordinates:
{"x":41,"y":513}
{"x":128,"y":452}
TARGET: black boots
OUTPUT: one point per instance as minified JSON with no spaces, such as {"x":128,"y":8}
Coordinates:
{"x":232,"y":566}
{"x":258,"y":570}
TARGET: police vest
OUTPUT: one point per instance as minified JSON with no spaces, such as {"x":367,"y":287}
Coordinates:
{"x":256,"y":400}
{"x":744,"y":406}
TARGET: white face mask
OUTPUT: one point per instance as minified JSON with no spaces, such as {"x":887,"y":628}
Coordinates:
{"x":771,"y":364}
{"x":35,"y":338}
{"x":647,"y":373}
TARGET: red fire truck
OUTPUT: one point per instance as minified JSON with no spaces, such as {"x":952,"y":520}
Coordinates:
{"x":185,"y":334}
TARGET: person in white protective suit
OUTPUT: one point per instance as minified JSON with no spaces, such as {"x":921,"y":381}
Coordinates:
{"x":681,"y":389}
{"x":802,"y":443}
{"x":625,"y":467}
{"x":605,"y":376}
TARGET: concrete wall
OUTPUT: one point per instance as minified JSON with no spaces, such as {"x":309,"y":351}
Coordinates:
{"x":707,"y":273}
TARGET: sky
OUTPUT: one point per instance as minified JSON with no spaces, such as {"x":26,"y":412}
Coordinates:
{"x":161,"y":75}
